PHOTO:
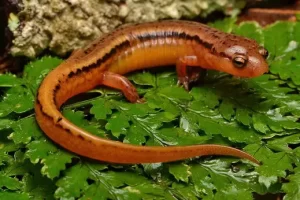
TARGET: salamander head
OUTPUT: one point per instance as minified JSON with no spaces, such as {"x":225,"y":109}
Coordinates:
{"x":239,"y":56}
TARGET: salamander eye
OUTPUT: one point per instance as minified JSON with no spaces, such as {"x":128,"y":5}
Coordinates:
{"x":262,"y":51}
{"x":239,"y":61}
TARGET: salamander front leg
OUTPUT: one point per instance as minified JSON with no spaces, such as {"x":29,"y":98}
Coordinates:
{"x":186,"y":74}
{"x":121,"y":83}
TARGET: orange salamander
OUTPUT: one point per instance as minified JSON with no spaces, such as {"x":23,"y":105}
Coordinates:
{"x":135,"y":47}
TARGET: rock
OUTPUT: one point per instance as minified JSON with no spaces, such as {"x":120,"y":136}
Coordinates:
{"x":62,"y":26}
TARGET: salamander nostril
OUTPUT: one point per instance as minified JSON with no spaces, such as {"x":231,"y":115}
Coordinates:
{"x":262,"y":51}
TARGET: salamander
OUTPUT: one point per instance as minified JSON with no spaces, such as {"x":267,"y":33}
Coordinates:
{"x":190,"y":46}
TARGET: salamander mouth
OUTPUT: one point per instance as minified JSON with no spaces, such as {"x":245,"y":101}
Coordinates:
{"x":254,"y":72}
{"x":250,"y":72}
{"x":260,"y":71}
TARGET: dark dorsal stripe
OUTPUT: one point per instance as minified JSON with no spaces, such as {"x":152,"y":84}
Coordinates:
{"x":173,"y":34}
{"x":142,"y":37}
{"x":126,"y":43}
{"x":113,"y":51}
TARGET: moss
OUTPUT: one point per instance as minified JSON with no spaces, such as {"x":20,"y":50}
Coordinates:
{"x":62,"y":26}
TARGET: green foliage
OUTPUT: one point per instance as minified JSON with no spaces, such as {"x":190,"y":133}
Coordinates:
{"x":260,"y":116}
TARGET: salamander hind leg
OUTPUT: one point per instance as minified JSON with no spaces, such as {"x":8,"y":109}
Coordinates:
{"x":121,"y":83}
{"x":187,"y":71}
